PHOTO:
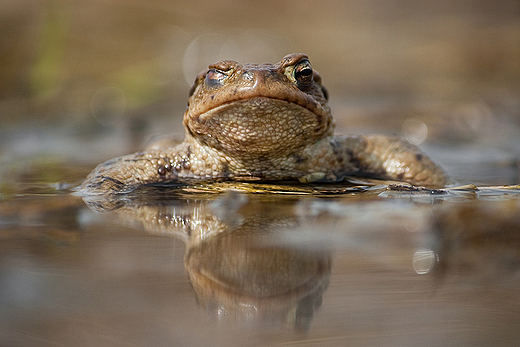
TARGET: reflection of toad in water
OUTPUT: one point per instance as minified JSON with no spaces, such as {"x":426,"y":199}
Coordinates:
{"x":235,"y":270}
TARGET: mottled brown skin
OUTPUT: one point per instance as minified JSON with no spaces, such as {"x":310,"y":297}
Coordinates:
{"x":264,"y":122}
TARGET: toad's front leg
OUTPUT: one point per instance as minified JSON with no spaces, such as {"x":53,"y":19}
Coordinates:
{"x":388,"y":158}
{"x":124,"y":174}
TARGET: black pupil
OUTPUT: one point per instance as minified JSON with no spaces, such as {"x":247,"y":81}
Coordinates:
{"x":304,"y":73}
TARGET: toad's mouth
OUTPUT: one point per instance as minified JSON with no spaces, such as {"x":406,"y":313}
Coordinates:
{"x":257,"y":107}
{"x":259,"y":124}
{"x":262,"y":102}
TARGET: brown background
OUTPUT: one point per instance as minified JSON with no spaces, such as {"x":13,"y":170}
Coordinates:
{"x":73,"y":70}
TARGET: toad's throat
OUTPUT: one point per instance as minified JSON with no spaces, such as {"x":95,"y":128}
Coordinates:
{"x":259,"y":124}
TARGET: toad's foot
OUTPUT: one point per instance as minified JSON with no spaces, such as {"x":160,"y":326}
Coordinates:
{"x":124,"y":174}
{"x":389,"y":158}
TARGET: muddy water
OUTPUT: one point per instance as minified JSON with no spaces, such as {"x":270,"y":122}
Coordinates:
{"x":361,"y":264}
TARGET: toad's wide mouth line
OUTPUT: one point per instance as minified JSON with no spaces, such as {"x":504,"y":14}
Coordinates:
{"x":260,"y":101}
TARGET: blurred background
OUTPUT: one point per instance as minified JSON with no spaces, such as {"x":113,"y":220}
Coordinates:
{"x":89,"y":80}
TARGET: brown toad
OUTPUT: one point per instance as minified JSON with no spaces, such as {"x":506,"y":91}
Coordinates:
{"x":263,"y":122}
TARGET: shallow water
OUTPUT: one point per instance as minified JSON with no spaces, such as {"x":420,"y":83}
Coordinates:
{"x":365,"y":263}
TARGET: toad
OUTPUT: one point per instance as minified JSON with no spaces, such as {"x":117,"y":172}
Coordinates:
{"x":263,"y":122}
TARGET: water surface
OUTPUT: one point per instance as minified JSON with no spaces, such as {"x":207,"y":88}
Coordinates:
{"x":364,"y":263}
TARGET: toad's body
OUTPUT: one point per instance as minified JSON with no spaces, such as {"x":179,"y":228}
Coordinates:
{"x":264,"y":122}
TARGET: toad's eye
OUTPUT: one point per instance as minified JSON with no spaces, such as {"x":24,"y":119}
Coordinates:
{"x":214,"y":78}
{"x":303,"y":74}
